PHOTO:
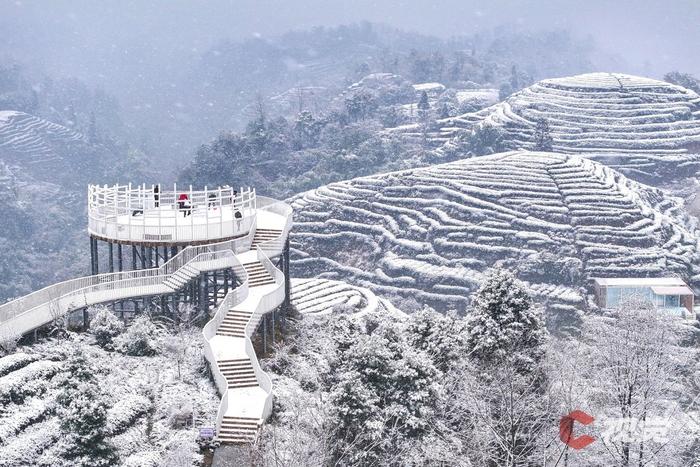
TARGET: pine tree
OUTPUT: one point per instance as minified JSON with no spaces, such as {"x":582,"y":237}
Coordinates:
{"x":543,"y":138}
{"x":504,"y":324}
{"x":424,"y":103}
{"x":83,"y":413}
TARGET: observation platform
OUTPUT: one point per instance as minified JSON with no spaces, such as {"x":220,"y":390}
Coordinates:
{"x":148,"y":215}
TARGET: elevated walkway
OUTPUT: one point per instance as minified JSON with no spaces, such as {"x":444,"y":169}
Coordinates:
{"x":246,"y":391}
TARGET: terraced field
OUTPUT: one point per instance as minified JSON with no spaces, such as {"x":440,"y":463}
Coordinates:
{"x":31,"y":138}
{"x":631,"y":123}
{"x":427,"y":235}
{"x":322,"y":296}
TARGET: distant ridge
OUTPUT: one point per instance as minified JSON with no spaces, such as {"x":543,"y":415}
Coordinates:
{"x":627,"y":122}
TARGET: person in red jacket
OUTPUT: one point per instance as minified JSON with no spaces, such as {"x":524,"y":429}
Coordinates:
{"x":184,"y":205}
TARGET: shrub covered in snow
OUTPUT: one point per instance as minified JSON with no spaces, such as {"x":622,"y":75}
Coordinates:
{"x":83,"y":413}
{"x":140,"y":338}
{"x":105,"y":327}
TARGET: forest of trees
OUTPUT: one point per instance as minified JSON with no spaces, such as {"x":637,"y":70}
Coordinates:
{"x":486,"y":389}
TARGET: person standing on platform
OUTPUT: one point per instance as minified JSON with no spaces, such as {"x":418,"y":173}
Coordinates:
{"x":184,"y":205}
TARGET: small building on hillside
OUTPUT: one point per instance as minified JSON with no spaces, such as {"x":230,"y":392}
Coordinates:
{"x":667,"y":293}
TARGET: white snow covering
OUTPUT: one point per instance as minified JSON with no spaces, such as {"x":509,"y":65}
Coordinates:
{"x":322,"y":296}
{"x":485,"y":96}
{"x":627,"y":122}
{"x":427,"y":235}
{"x":429,"y":87}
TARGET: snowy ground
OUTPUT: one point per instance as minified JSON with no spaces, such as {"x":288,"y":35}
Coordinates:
{"x":144,"y":394}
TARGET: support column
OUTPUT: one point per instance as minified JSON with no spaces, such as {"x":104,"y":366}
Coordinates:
{"x":227,"y":273}
{"x":93,"y":256}
{"x":206,"y":291}
{"x":272,"y":326}
{"x":120,"y":259}
{"x":133,"y":257}
{"x":110,"y":246}
{"x":286,"y":305}
{"x":86,"y":319}
{"x":264,"y":326}
{"x":143,"y":257}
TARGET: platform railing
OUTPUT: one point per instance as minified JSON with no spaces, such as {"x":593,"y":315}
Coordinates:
{"x":142,"y":213}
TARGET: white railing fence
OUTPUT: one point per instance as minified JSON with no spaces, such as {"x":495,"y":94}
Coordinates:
{"x":58,"y":299}
{"x":143,"y":213}
{"x":275,"y":246}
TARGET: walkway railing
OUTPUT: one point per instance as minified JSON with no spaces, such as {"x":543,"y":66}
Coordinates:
{"x":38,"y":308}
{"x":149,"y":214}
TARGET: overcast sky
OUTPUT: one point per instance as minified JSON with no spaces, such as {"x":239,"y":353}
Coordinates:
{"x":75,"y":36}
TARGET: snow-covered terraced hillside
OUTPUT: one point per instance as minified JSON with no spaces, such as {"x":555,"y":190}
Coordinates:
{"x":625,"y":121}
{"x":322,"y":296}
{"x":31,"y":139}
{"x":427,"y":235}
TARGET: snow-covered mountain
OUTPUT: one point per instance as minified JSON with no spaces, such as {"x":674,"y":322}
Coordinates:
{"x":427,"y":235}
{"x":628,"y":122}
{"x":37,"y":145}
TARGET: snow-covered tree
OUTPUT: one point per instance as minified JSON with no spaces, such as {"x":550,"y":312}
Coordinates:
{"x":485,"y":139}
{"x":105,"y":326}
{"x":442,"y":337}
{"x":139,"y":339}
{"x":83,"y":415}
{"x":636,"y":370}
{"x":543,"y":137}
{"x":381,"y":394}
{"x":504,"y":324}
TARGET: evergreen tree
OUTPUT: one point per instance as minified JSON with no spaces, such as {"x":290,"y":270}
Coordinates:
{"x":543,"y":138}
{"x":424,"y":103}
{"x":504,"y":324}
{"x":83,"y":413}
{"x":485,"y":139}
{"x":382,"y":390}
{"x":683,"y":79}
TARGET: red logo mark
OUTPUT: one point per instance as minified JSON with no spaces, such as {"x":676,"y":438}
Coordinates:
{"x":566,"y":429}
